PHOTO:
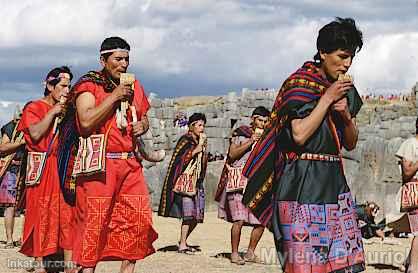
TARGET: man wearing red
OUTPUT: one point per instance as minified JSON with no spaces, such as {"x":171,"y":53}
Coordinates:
{"x":113,"y":214}
{"x":48,"y":217}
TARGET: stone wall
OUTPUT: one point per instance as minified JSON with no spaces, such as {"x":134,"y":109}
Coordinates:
{"x":371,"y":169}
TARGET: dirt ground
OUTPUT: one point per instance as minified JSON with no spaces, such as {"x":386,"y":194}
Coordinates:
{"x":213,"y":237}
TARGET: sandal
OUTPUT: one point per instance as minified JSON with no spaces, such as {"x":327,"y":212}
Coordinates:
{"x":195,"y":248}
{"x":192,"y":249}
{"x":186,"y":251}
{"x":253,"y":259}
{"x":8,"y":246}
{"x":237,"y":260}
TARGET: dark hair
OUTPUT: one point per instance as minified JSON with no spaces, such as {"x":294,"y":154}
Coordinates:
{"x":261,"y":111}
{"x":53,"y":78}
{"x":342,"y":33}
{"x":113,"y":43}
{"x":196,"y":117}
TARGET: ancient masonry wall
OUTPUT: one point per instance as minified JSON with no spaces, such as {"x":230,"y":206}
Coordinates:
{"x":371,"y":169}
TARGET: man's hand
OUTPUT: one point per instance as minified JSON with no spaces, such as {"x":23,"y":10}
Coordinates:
{"x":58,"y":109}
{"x":338,"y":90}
{"x":341,"y":107}
{"x":255,"y":137}
{"x":123,"y":92}
{"x":200,"y":147}
{"x":138,"y":128}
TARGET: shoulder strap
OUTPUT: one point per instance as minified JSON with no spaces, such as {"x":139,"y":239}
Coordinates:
{"x":48,"y":151}
{"x":14,"y":131}
{"x":336,"y":139}
{"x":107,"y":132}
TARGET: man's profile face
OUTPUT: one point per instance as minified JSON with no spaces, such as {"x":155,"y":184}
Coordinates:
{"x":62,"y":89}
{"x":336,"y":63}
{"x":116,"y":63}
{"x":197,"y":127}
{"x":259,"y":121}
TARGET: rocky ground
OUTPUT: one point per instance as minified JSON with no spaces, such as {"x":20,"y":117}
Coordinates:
{"x":213,"y":238}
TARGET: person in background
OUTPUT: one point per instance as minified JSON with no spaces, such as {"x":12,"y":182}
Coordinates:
{"x":230,"y":207}
{"x":48,"y":217}
{"x":408,"y":154}
{"x":12,"y":181}
{"x":190,"y":149}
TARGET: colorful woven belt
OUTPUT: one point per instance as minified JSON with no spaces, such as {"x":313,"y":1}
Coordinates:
{"x":120,"y":155}
{"x":315,"y":157}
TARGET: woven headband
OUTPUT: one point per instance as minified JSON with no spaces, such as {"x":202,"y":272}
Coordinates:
{"x":113,"y":50}
{"x":60,"y":76}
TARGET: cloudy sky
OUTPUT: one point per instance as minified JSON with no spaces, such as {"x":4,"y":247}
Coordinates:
{"x":202,"y":47}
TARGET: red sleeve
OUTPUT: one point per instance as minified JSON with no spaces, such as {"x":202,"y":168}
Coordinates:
{"x":141,"y":101}
{"x":31,"y":115}
{"x":84,"y":87}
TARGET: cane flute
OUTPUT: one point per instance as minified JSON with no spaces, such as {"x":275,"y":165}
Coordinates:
{"x":259,"y":132}
{"x":345,"y":77}
{"x":122,"y":120}
{"x":202,"y":139}
{"x":58,"y":119}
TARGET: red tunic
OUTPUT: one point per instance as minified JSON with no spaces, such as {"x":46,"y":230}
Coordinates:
{"x":48,"y":218}
{"x":113,"y":214}
{"x":118,"y":141}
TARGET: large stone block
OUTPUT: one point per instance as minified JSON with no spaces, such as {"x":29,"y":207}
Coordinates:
{"x":351,"y":169}
{"x":408,"y":119}
{"x":151,"y":113}
{"x":156,"y":102}
{"x":156,"y":132}
{"x":216,"y":145}
{"x":213,"y":174}
{"x":218,"y":122}
{"x":154,"y":176}
{"x":168,"y":113}
{"x":231,"y":98}
{"x":162,"y":138}
{"x":148,"y":135}
{"x":408,"y":126}
{"x":231,"y":107}
{"x":217,"y":132}
{"x":158,"y":113}
{"x":391,"y":171}
{"x":246,"y":111}
{"x":162,"y":146}
{"x":168,"y":102}
{"x":154,"y":123}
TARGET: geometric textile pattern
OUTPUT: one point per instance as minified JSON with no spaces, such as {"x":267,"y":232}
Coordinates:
{"x":320,"y":237}
{"x":97,"y":215}
{"x":122,"y":227}
{"x":49,"y":222}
